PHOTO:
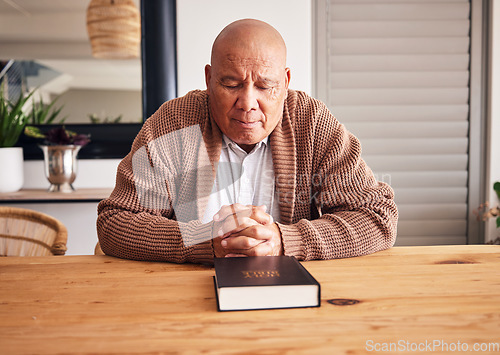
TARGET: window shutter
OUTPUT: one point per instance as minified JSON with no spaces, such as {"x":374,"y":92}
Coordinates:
{"x":396,"y":73}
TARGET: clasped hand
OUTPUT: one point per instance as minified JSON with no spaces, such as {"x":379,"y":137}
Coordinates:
{"x":245,"y":230}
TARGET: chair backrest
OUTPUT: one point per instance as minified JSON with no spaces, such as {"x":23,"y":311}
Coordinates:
{"x":25,"y":232}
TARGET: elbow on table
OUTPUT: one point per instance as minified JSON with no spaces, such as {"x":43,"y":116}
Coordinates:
{"x":390,"y":233}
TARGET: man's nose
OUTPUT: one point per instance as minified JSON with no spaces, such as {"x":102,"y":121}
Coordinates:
{"x":247,"y":99}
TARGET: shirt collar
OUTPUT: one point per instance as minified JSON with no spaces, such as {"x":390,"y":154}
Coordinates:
{"x":228,"y":142}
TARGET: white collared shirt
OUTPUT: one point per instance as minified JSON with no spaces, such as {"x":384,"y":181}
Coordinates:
{"x":246,"y":178}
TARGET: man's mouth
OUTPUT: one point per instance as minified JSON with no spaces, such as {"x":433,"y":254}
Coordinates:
{"x":245,"y":124}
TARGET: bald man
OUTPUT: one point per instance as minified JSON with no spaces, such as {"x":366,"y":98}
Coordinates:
{"x":247,"y":167}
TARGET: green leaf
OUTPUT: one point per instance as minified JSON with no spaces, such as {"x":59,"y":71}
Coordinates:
{"x":54,"y":114}
{"x":498,"y":222}
{"x":496,"y":187}
{"x":33,"y":132}
{"x":43,"y":113}
{"x":12,"y":118}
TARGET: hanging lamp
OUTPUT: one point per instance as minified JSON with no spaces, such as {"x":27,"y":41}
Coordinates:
{"x":114,"y":29}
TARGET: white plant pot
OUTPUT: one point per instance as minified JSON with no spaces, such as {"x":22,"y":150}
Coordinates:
{"x":11,"y":169}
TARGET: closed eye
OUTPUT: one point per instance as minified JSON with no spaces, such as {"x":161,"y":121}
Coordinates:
{"x":230,"y":85}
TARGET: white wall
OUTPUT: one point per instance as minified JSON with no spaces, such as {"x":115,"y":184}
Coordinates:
{"x":493,"y":163}
{"x":200,"y":21}
{"x":91,"y":173}
{"x":79,"y":103}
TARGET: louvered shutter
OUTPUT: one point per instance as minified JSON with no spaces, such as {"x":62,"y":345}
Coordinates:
{"x":396,"y":73}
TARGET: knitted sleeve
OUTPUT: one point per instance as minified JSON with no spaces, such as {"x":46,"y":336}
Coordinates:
{"x":355,"y":214}
{"x":135,"y":224}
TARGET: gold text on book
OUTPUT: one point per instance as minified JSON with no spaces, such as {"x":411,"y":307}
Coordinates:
{"x":260,"y":274}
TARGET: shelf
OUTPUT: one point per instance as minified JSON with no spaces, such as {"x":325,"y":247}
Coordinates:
{"x":42,"y":196}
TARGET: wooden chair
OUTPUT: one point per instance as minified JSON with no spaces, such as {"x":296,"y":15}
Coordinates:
{"x":24,"y":232}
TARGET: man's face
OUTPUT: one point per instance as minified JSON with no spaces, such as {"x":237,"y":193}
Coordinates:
{"x":247,"y":89}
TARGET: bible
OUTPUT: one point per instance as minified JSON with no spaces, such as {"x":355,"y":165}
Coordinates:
{"x":264,"y":282}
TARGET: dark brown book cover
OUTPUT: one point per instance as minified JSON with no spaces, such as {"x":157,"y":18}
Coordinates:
{"x":264,"y":282}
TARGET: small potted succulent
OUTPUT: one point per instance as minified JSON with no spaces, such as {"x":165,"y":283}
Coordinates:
{"x":60,"y":149}
{"x":12,"y":122}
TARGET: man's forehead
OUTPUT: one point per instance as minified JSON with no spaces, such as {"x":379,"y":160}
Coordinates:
{"x":250,"y":60}
{"x":248,"y":69}
{"x":241,"y":60}
{"x":255,"y":77}
{"x":250,"y":54}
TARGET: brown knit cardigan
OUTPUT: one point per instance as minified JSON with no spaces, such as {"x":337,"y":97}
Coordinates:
{"x":331,"y":205}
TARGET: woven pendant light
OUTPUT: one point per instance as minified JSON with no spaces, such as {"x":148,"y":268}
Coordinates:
{"x":114,"y":28}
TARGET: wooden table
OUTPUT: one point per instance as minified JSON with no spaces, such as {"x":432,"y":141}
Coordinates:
{"x":402,"y":299}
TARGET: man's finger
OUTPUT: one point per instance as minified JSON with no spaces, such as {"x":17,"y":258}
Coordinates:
{"x":234,"y":226}
{"x":236,"y":255}
{"x":240,"y":219}
{"x":254,"y":241}
{"x":239,"y":243}
{"x":242,"y":210}
{"x":256,"y":231}
{"x":228,"y":210}
{"x":262,"y":249}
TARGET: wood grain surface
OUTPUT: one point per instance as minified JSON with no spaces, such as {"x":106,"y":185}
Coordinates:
{"x":34,"y":195}
{"x":399,"y":299}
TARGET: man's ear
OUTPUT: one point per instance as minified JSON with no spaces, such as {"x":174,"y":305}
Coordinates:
{"x":288,"y":76}
{"x":208,"y":75}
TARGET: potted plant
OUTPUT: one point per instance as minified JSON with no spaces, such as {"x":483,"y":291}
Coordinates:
{"x":485,"y":212}
{"x":12,"y":123}
{"x":60,"y":149}
{"x":43,"y":113}
{"x":95,"y":119}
